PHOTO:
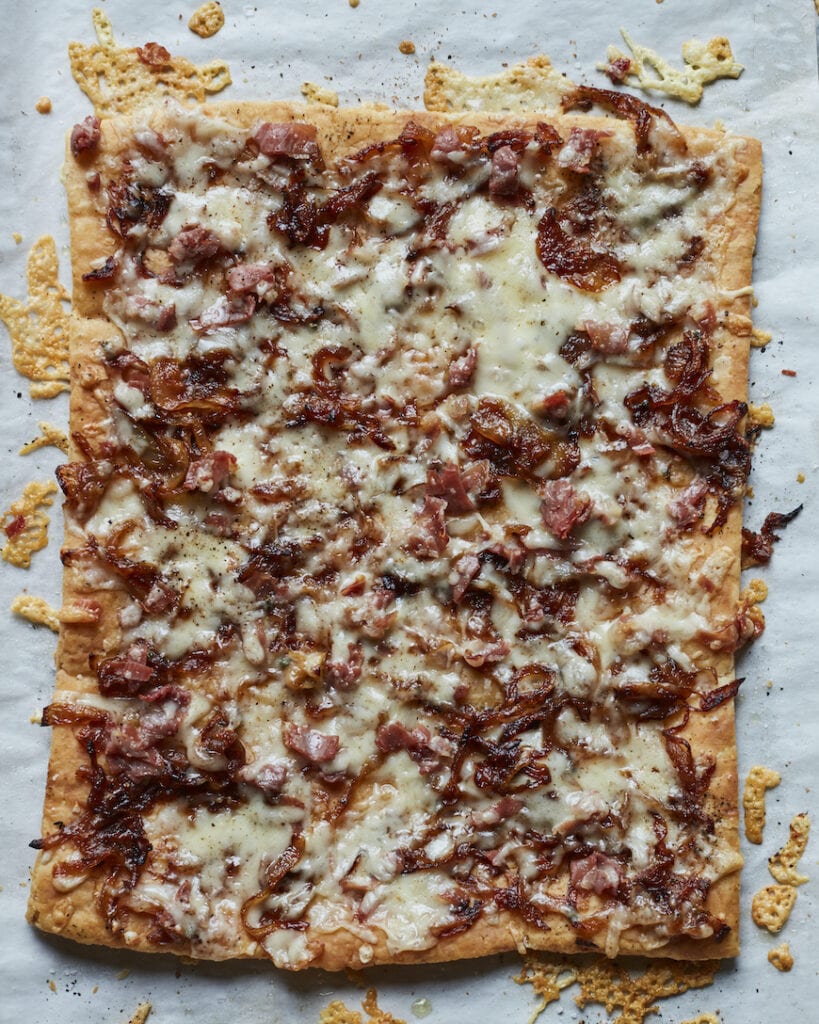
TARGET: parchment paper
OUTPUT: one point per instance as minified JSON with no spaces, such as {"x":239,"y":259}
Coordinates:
{"x":272,"y":48}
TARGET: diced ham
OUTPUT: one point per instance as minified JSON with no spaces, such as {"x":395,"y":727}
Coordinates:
{"x":636,"y":439}
{"x":505,"y":808}
{"x":503,"y":178}
{"x":194,"y":243}
{"x":429,"y":538}
{"x":618,"y":69}
{"x":85,"y":137}
{"x":686,"y":509}
{"x":15,"y":526}
{"x":611,"y":339}
{"x":210,"y":472}
{"x":465,"y":569}
{"x":562,"y":507}
{"x":294,"y":141}
{"x":579,"y":149}
{"x":165,"y":319}
{"x":462,"y":368}
{"x":251,"y":277}
{"x":225,"y":312}
{"x":315,"y":746}
{"x":597,"y":873}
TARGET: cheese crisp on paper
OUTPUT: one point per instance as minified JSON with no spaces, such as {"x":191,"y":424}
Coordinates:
{"x":407,"y":468}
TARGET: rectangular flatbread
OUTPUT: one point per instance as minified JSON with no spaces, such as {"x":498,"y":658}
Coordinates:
{"x":404,"y":513}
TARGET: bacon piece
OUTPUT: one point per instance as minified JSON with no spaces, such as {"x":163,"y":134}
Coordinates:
{"x":314,"y":746}
{"x":160,"y":599}
{"x":452,"y":144}
{"x":454,"y":485}
{"x":293,"y":140}
{"x":757,"y":548}
{"x":103,"y":273}
{"x":465,"y":569}
{"x":572,"y":260}
{"x":579,"y":149}
{"x":462,"y":368}
{"x":225,"y":312}
{"x":194,"y":243}
{"x":425,"y":750}
{"x":268,"y":776}
{"x":15,"y":526}
{"x":154,"y":55}
{"x":611,"y":339}
{"x":430,"y":537}
{"x":554,"y":406}
{"x":505,"y":808}
{"x":597,"y":873}
{"x":489,"y":654}
{"x":343,"y":674}
{"x":503,"y":178}
{"x":686,"y":509}
{"x":85,"y":137}
{"x":210,"y":472}
{"x":618,"y":69}
{"x":562,"y":507}
{"x":246,"y":277}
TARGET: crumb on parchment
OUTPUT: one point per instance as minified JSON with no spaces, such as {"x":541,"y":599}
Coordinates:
{"x":25,"y":523}
{"x":314,"y":93}
{"x":43,"y":105}
{"x":783,"y":863}
{"x":781,"y":957}
{"x":50,"y":436}
{"x":338,"y":1013}
{"x":771,"y":907}
{"x":207,"y":19}
{"x":406,"y":46}
{"x":39,"y":327}
{"x":758,"y":781}
{"x":760,"y":415}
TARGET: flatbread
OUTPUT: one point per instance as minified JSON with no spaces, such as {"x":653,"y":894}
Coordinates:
{"x":197,"y":865}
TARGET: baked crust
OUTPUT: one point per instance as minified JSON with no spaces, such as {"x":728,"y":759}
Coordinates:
{"x":729,"y":249}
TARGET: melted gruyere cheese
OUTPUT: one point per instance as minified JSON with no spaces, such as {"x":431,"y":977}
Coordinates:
{"x":307,"y":555}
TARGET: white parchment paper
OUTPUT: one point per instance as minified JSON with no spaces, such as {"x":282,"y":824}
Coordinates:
{"x":272,"y":48}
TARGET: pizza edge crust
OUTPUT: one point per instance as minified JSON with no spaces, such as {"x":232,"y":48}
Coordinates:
{"x":74,"y":914}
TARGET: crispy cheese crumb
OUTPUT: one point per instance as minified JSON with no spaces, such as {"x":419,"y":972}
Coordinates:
{"x":608,"y":983}
{"x":207,"y":19}
{"x":49,"y":436}
{"x":703,"y":1018}
{"x":548,"y":979}
{"x":800,"y":478}
{"x":535,"y":85}
{"x":39,"y":328}
{"x":406,"y":46}
{"x":52,"y":984}
{"x":760,"y":338}
{"x":771,"y":907}
{"x":36,"y":610}
{"x":755,"y":592}
{"x":646,"y":69}
{"x":759,"y":780}
{"x":18,"y":238}
{"x":355,"y":3}
{"x":783,"y":863}
{"x":338,"y":1013}
{"x":314,"y":93}
{"x":781,"y":957}
{"x":117,"y":82}
{"x":141,"y":1014}
{"x":26,"y":523}
{"x":43,"y":105}
{"x":761,"y":416}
